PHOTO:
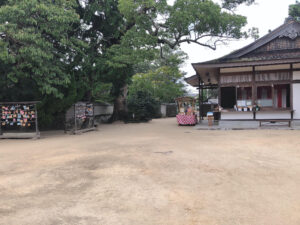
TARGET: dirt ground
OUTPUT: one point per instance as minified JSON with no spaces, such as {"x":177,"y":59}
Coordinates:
{"x":155,"y":173}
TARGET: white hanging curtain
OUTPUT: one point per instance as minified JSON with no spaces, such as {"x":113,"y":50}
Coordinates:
{"x":273,"y":76}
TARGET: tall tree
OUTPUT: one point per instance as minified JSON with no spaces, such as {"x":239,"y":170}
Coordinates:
{"x":160,"y":77}
{"x":35,"y":47}
{"x":124,"y":33}
{"x":154,"y":23}
{"x":104,"y":27}
{"x":163,"y":84}
{"x":101,"y":25}
{"x":38,"y":48}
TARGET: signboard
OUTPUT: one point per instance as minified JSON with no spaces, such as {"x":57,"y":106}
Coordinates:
{"x":18,"y":117}
{"x":84,"y":115}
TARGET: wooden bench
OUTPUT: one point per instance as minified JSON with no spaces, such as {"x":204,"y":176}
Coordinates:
{"x":289,"y":121}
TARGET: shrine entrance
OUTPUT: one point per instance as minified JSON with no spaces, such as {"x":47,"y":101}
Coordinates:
{"x":228,"y":97}
{"x":282,"y":96}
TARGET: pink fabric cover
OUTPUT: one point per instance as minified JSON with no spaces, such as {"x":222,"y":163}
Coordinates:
{"x":186,"y":119}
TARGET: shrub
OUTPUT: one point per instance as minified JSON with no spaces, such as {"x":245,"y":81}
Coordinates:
{"x":142,"y":106}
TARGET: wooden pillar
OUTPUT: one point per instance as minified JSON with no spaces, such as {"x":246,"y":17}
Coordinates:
{"x":36,"y":122}
{"x":236,"y":93}
{"x":199,"y":100}
{"x":202,"y":101}
{"x":254,"y":91}
{"x":219,"y":87}
{"x":273,"y":95}
{"x":291,"y":87}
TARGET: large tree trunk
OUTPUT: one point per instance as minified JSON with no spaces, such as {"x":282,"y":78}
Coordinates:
{"x":120,"y":106}
{"x":88,"y":96}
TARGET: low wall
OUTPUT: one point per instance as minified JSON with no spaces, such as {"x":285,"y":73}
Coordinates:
{"x":103,"y":109}
{"x":260,"y":115}
{"x":296,"y":102}
{"x":236,"y":115}
{"x":163,"y":110}
{"x":168,"y":110}
{"x":102,"y":112}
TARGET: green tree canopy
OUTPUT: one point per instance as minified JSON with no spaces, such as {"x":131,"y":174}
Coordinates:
{"x":35,"y":45}
{"x":161,"y":77}
{"x":163,"y":84}
{"x":142,"y":106}
{"x":205,"y":23}
{"x":294,"y":10}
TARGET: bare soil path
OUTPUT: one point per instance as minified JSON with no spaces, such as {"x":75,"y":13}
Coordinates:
{"x":152,"y":174}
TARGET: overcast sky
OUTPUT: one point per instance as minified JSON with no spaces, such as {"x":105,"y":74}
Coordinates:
{"x":264,"y":14}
